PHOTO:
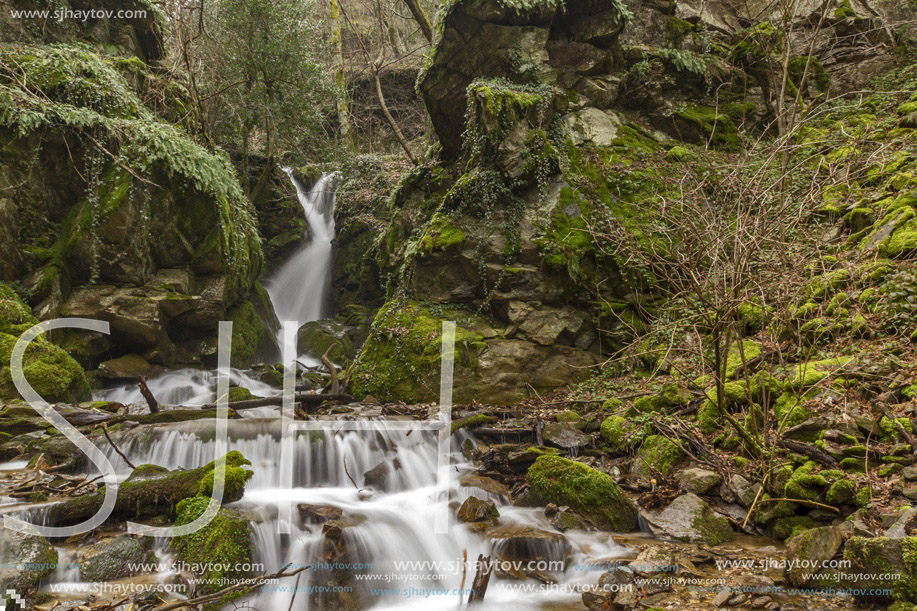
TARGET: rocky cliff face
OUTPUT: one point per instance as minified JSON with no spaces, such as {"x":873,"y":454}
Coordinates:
{"x":555,"y":119}
{"x":112,"y":212}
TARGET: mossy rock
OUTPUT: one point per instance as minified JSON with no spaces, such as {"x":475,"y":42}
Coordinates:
{"x":401,"y":358}
{"x":591,"y":493}
{"x":221,"y":548}
{"x":656,"y":457}
{"x":882,"y":564}
{"x":787,"y":528}
{"x":621,"y":434}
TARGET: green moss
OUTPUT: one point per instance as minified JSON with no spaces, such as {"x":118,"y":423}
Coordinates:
{"x":440,"y":234}
{"x":715,"y":126}
{"x":567,"y":416}
{"x":749,"y":349}
{"x":890,"y":432}
{"x":53,"y":373}
{"x":658,"y":455}
{"x":238,"y":393}
{"x":220,"y":549}
{"x":589,"y":492}
{"x":621,"y":434}
{"x":841,"y":492}
{"x":678,"y":153}
{"x":787,"y":528}
{"x":472,"y":422}
{"x":804,"y":484}
{"x":853,"y":465}
{"x":751,"y":315}
{"x":612,"y":404}
{"x":708,"y":417}
{"x":811,"y":373}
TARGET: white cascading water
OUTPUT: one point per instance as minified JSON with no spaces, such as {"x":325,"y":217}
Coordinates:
{"x":392,"y":526}
{"x":299,"y":287}
{"x":389,"y":526}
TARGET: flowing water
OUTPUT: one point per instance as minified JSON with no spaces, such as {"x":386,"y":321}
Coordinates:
{"x":300,"y":287}
{"x":390,"y":529}
{"x":404,"y":564}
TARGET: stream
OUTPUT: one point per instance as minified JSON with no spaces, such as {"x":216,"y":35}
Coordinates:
{"x":396,"y":560}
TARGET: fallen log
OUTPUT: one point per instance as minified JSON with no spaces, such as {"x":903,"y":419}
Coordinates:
{"x":153,"y":492}
{"x":810,"y":451}
{"x":148,"y":395}
{"x":300,"y":397}
{"x":481,"y":579}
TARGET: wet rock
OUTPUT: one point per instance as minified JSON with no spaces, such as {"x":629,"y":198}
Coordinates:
{"x":688,"y":518}
{"x":591,"y":493}
{"x":27,"y":559}
{"x":565,"y":519}
{"x":517,"y":546}
{"x":809,"y":550}
{"x":564,"y":435}
{"x":127,"y":367}
{"x":380,"y":476}
{"x":114,"y":558}
{"x":486,"y":484}
{"x":476,"y":510}
{"x":318,"y":513}
{"x":698,"y":481}
{"x":620,"y":580}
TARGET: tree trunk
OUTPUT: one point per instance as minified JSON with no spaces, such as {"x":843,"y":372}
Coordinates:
{"x":421,"y":17}
{"x":141,"y":498}
{"x":338,"y":48}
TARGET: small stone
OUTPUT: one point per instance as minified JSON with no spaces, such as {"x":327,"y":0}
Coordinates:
{"x":318,"y":513}
{"x":720,"y":599}
{"x":476,"y":510}
{"x":697,"y":480}
{"x":738,"y":599}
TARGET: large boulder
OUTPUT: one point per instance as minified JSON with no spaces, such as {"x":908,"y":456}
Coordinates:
{"x":161,"y":244}
{"x":689,"y":518}
{"x":27,"y":559}
{"x":881,"y":565}
{"x":401,"y":358}
{"x":54,"y":374}
{"x":590,"y":493}
{"x":808,"y":552}
{"x":114,"y":558}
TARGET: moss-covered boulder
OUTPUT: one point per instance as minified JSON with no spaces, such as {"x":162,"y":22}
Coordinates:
{"x":27,"y":559}
{"x":53,"y":373}
{"x":401,"y":358}
{"x":881,"y":564}
{"x":689,"y":518}
{"x":222,"y":549}
{"x":657,"y":457}
{"x":591,"y":493}
{"x":159,"y":243}
{"x":808,"y":551}
{"x":114,"y":558}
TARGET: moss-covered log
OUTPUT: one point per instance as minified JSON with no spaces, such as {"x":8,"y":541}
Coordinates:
{"x":148,"y":492}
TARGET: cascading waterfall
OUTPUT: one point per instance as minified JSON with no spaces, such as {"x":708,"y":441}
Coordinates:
{"x":386,"y":526}
{"x":299,"y":287}
{"x":392,"y":530}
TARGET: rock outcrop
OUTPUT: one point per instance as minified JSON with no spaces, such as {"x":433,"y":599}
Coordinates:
{"x":112,"y":212}
{"x":559,"y":121}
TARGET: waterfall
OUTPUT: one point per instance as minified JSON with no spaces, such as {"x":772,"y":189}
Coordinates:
{"x":299,"y":288}
{"x":390,"y":528}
